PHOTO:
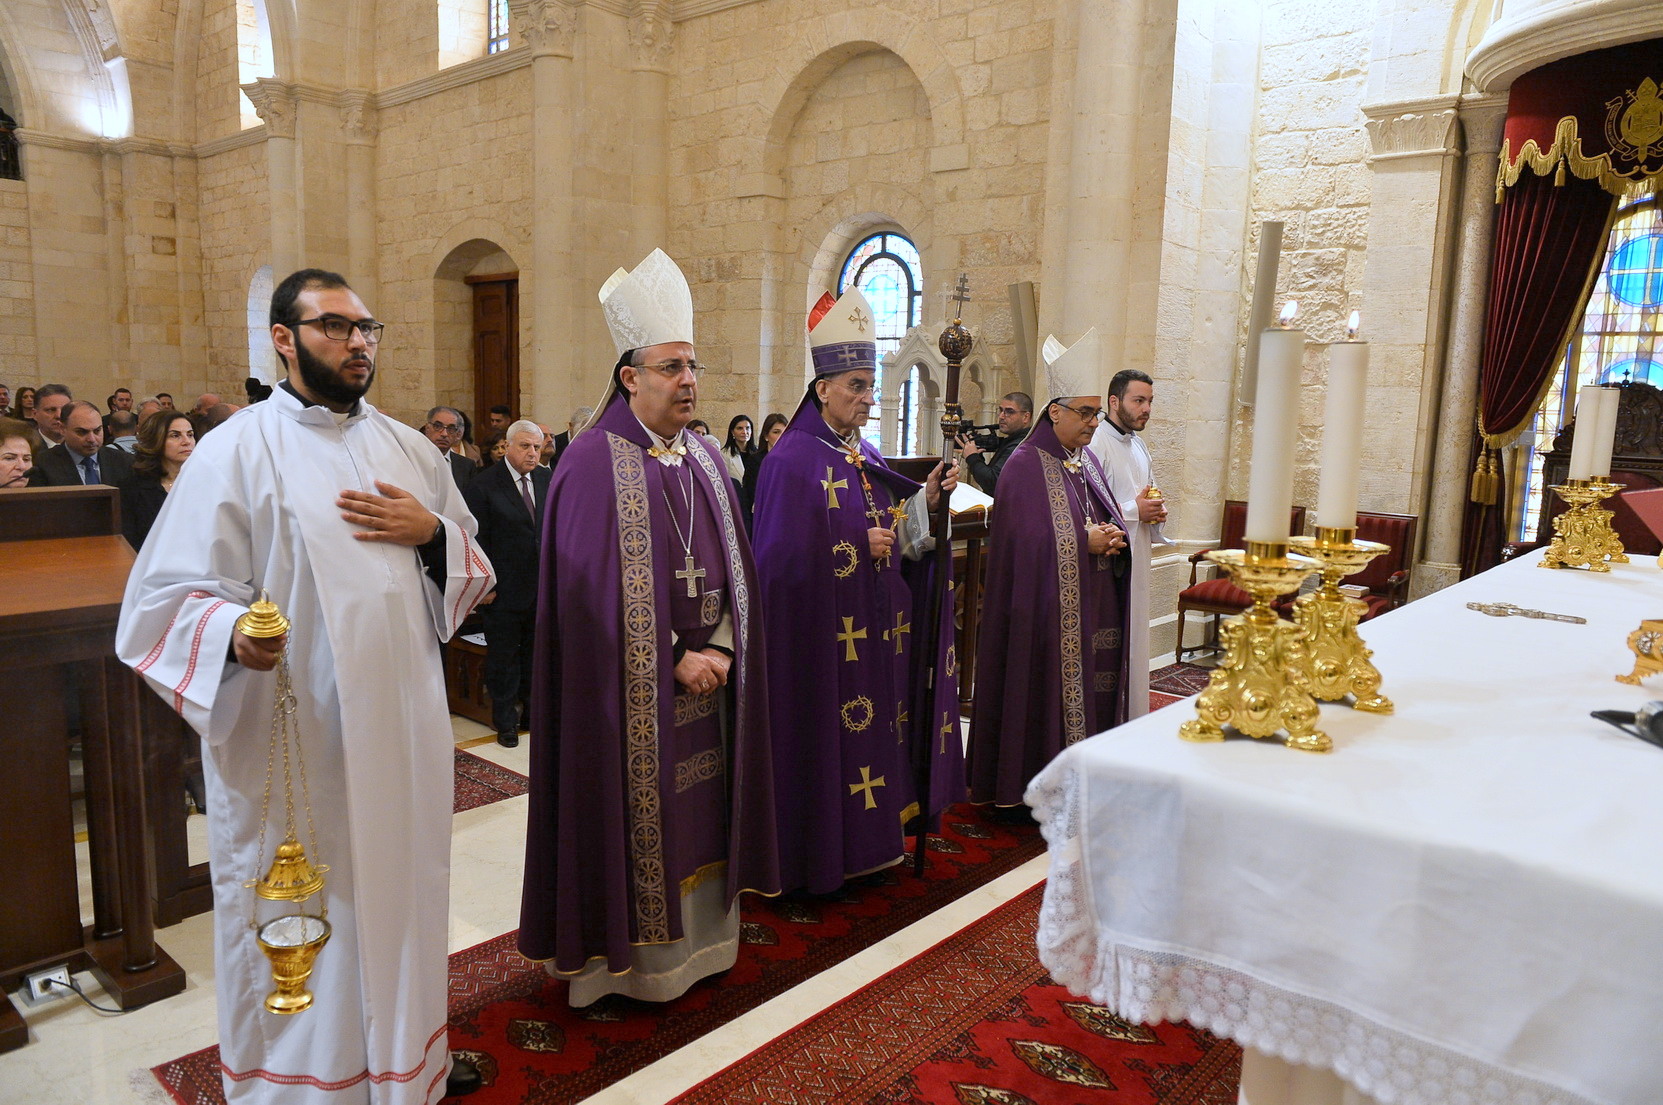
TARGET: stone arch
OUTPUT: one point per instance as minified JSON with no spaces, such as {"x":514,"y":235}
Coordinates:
{"x":451,"y":309}
{"x":1535,"y":33}
{"x":850,"y":216}
{"x":825,"y":43}
{"x":66,"y":67}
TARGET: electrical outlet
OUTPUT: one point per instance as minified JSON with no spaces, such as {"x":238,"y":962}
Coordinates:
{"x":48,"y":985}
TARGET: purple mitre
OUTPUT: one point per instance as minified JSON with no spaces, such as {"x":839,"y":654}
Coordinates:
{"x":845,"y":356}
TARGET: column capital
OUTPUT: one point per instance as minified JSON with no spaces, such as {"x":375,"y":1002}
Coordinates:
{"x":359,"y":120}
{"x":549,"y":27}
{"x":1419,"y":128}
{"x":274,"y":102}
{"x":650,"y":33}
{"x":1483,"y":118}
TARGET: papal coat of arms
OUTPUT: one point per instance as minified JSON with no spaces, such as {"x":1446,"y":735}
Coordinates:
{"x":1634,"y":122}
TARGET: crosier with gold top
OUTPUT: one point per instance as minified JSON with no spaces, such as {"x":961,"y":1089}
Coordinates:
{"x":1338,"y":661}
{"x":1261,"y":687}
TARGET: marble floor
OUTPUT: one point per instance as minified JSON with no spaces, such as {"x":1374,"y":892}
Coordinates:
{"x":77,"y":1056}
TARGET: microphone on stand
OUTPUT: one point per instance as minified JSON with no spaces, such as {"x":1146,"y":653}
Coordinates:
{"x":1645,"y":723}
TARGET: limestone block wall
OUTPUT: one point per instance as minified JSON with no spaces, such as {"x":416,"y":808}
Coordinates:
{"x":797,"y":127}
{"x":76,"y":320}
{"x":219,"y":106}
{"x":235,"y":224}
{"x":18,"y":364}
{"x":451,"y":168}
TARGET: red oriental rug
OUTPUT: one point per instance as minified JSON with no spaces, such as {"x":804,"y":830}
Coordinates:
{"x":512,"y":1019}
{"x":479,"y":782}
{"x":977,"y":1021}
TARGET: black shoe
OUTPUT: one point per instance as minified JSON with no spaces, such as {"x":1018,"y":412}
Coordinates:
{"x":463,"y":1078}
{"x":508,"y":740}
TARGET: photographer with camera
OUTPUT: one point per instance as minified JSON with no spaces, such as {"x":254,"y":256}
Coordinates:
{"x":986,"y":453}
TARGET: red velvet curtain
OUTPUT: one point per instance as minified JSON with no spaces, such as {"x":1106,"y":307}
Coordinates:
{"x":1549,"y":238}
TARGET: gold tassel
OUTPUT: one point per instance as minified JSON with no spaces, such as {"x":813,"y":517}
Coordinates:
{"x":1559,"y":174}
{"x":1484,"y":480}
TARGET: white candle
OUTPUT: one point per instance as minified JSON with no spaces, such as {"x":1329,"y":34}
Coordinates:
{"x":1342,"y":431}
{"x":1582,"y":439}
{"x":1605,"y":436}
{"x":1275,"y":426}
{"x":1264,"y":295}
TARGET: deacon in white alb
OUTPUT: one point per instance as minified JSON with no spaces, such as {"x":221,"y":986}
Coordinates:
{"x":1125,"y":460}
{"x":353,"y":525}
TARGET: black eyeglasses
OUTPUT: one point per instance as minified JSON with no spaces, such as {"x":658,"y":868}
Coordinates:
{"x":672,"y":370}
{"x":336,"y":328}
{"x":1090,"y":414}
{"x":444,"y":427}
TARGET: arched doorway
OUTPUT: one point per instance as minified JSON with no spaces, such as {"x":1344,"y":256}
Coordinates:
{"x":476,"y":337}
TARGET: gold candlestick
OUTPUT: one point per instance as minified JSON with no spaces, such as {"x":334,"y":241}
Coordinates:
{"x":1338,"y":660}
{"x":1261,"y":687}
{"x":1611,"y":543}
{"x":1582,"y":535}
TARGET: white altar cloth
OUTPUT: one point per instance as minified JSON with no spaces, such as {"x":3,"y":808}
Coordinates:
{"x":1462,"y":903}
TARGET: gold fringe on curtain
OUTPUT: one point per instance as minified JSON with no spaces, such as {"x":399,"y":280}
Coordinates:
{"x":1565,"y":153}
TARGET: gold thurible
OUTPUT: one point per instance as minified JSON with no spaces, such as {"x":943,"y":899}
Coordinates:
{"x":290,"y":941}
{"x":1261,"y":687}
{"x":1582,"y":535}
{"x":1337,"y":661}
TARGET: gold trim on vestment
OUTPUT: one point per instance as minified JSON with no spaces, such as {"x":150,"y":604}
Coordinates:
{"x":1070,"y":623}
{"x":699,"y":767}
{"x":646,"y":814}
{"x":691,"y":707}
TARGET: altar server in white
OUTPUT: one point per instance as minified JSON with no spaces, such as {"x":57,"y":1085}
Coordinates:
{"x":1125,"y":460}
{"x":352,"y":523}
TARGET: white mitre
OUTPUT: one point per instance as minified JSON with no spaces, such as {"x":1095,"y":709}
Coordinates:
{"x":842,"y":337}
{"x":1072,"y":370}
{"x":649,"y":306}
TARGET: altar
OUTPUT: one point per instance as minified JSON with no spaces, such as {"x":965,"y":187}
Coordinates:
{"x":1463,"y":902}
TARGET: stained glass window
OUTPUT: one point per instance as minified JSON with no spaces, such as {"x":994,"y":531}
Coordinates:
{"x":1617,"y":341}
{"x":885,"y":268}
{"x":496,"y":34}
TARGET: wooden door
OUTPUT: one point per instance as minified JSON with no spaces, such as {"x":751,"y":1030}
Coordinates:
{"x":496,"y":345}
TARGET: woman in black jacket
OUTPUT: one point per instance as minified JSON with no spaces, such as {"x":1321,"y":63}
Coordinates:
{"x":165,"y":440}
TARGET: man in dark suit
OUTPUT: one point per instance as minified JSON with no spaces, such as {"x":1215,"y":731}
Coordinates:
{"x":444,"y":429}
{"x":83,"y":458}
{"x":507,"y":501}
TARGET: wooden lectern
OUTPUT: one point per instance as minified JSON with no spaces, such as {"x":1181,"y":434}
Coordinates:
{"x":66,"y":568}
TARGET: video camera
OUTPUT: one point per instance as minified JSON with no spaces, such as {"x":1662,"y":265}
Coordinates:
{"x":985,"y":437}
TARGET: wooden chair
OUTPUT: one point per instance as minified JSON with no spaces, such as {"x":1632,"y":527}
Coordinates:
{"x":1219,"y":596}
{"x":1387,"y":576}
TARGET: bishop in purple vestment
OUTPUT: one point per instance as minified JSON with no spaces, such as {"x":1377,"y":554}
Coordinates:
{"x":839,"y":536}
{"x":651,"y":790}
{"x":1051,"y":669}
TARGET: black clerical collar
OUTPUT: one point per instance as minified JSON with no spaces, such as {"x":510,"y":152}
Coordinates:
{"x":1118,"y":428}
{"x":305,"y":402}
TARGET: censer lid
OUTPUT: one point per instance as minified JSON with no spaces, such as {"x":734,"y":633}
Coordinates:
{"x":292,"y":877}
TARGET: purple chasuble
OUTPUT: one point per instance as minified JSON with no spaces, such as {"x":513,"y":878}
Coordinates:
{"x":842,"y":669}
{"x":1051,"y":669}
{"x":639,"y":791}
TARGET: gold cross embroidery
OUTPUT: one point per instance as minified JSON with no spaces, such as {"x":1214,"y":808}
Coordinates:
{"x":946,"y":729}
{"x":832,"y":487}
{"x":860,"y":320}
{"x":901,"y":626}
{"x":848,"y":637}
{"x":867,"y":784}
{"x":901,"y":719}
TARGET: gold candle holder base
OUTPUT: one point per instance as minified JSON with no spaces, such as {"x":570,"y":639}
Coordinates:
{"x":1261,"y":687}
{"x":1582,"y":535}
{"x":292,"y":944}
{"x":1338,"y":661}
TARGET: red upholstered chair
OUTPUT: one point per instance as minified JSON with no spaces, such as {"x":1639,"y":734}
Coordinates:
{"x":1219,"y":596}
{"x":1387,"y":576}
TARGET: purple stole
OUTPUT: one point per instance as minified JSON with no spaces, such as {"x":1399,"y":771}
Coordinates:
{"x":1051,"y":669}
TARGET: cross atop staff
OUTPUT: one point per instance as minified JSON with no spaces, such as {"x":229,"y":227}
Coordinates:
{"x":961,"y":295}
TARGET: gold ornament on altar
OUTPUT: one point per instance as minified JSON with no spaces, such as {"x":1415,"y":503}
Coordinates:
{"x":1262,"y":686}
{"x":1582,"y":535}
{"x":1337,"y":660}
{"x":1647,"y":645}
{"x":291,"y":941}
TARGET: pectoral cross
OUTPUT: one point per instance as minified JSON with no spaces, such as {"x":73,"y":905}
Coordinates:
{"x":832,"y":487}
{"x":901,"y":626}
{"x":875,"y":514}
{"x":848,"y":637}
{"x":691,"y":575}
{"x":860,"y":320}
{"x":867,"y":784}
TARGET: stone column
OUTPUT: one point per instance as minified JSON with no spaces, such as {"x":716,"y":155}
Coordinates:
{"x":1482,"y":118}
{"x":358,"y":132}
{"x":649,"y":39}
{"x":274,"y":102}
{"x":554,"y":381}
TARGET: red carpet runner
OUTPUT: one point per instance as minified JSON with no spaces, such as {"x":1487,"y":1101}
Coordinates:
{"x":479,"y":782}
{"x":976,"y":1021}
{"x":511,"y":1018}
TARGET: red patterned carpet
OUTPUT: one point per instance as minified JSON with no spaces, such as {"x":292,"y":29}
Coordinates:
{"x":976,"y":1021}
{"x":512,"y":1019}
{"x":479,"y":782}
